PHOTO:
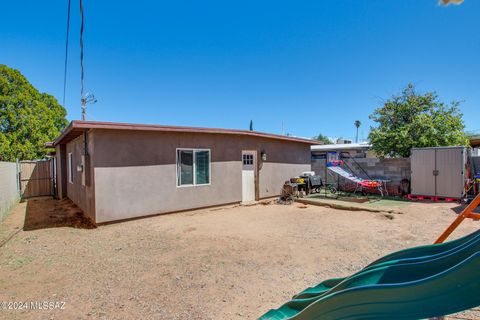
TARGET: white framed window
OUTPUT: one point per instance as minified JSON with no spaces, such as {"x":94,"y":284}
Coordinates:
{"x":193,"y":167}
{"x":247,"y":159}
{"x":70,"y":167}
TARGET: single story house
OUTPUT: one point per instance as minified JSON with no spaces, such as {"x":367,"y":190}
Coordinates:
{"x":116,"y":171}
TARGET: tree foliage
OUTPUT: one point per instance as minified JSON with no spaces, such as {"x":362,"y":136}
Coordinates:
{"x":323,"y":139}
{"x":28,"y":118}
{"x":357,"y":125}
{"x":413,"y":120}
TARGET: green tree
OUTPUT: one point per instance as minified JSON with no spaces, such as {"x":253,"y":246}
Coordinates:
{"x":413,"y":120}
{"x":323,"y":139}
{"x":28,"y":118}
{"x":251,"y":125}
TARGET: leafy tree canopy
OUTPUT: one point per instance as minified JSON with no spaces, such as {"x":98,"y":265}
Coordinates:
{"x":323,"y":139}
{"x":28,"y":118}
{"x":413,"y":120}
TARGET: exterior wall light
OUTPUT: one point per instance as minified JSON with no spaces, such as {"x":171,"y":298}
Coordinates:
{"x":263,"y":155}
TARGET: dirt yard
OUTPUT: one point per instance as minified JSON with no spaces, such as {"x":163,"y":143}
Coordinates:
{"x":223,"y":263}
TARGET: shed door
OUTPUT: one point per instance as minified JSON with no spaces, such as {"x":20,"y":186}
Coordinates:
{"x":423,"y":167}
{"x":248,"y":176}
{"x":450,"y":168}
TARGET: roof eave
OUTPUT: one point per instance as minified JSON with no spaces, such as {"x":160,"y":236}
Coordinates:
{"x":86,"y":125}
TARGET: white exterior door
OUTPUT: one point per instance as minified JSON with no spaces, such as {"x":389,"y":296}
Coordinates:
{"x":248,"y":176}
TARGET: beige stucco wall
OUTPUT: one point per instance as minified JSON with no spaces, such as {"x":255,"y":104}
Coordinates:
{"x":82,"y":195}
{"x":128,"y":192}
{"x":61,"y":172}
{"x":272,"y":176}
{"x":121,"y":148}
{"x":9,"y":193}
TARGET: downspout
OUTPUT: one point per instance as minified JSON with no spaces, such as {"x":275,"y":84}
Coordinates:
{"x":85,"y":161}
{"x":85,"y":143}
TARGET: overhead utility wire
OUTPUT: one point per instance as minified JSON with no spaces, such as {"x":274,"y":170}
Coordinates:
{"x":66,"y":55}
{"x":86,"y":98}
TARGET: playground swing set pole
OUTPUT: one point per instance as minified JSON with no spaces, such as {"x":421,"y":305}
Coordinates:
{"x":465,"y":214}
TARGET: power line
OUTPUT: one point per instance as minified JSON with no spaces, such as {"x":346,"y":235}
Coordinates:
{"x":66,"y":55}
{"x":81,"y":44}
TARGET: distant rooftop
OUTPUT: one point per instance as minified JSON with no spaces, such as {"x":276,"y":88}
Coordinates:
{"x":475,"y":140}
{"x":342,"y":146}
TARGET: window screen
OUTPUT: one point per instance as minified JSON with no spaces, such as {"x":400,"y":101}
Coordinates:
{"x":70,"y":168}
{"x":202,"y":166}
{"x":193,"y":167}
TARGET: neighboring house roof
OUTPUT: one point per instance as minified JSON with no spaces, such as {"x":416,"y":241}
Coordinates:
{"x":77,"y":128}
{"x":347,"y":146}
{"x":475,"y":140}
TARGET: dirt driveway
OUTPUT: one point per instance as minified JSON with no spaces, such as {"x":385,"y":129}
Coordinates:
{"x":223,"y":263}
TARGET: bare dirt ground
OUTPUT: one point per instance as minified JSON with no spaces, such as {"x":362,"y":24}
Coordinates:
{"x":223,"y":263}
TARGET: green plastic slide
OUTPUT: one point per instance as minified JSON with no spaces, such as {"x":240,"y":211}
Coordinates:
{"x":428,"y":250}
{"x":415,"y":254}
{"x":398,"y":273}
{"x":416,"y":287}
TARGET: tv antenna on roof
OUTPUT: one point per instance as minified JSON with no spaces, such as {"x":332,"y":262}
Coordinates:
{"x":89,"y":98}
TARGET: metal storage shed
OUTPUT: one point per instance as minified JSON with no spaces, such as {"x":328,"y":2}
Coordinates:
{"x":438,"y":171}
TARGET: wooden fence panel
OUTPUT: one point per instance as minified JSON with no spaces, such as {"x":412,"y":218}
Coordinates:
{"x":36,"y":178}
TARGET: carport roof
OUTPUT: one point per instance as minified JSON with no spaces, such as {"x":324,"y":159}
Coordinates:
{"x":77,"y":128}
{"x":475,"y":141}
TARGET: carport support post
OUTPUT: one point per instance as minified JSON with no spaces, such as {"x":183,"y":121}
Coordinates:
{"x":326,"y":173}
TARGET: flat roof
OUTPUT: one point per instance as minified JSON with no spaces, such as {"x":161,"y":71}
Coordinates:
{"x":475,"y":140}
{"x":78,"y":127}
{"x":341,"y":146}
{"x":445,"y":147}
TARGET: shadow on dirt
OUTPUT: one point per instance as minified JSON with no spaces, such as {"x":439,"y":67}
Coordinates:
{"x":458,"y":209}
{"x":47,"y":212}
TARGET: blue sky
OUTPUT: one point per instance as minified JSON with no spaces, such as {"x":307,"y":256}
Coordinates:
{"x":315,"y":66}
